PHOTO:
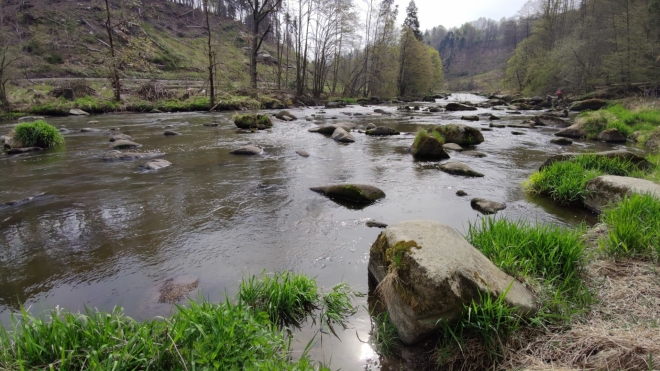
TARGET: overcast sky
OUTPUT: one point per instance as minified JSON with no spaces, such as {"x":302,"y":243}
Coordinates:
{"x":453,"y":13}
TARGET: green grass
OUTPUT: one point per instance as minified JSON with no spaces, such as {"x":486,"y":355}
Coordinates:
{"x":618,"y":117}
{"x":633,"y":227}
{"x":423,"y":134}
{"x":546,"y":257}
{"x":230,"y":335}
{"x":37,"y":134}
{"x":565,"y":181}
{"x":383,"y":335}
{"x":96,"y":104}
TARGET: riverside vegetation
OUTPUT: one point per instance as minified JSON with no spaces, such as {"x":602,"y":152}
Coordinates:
{"x":248,"y":332}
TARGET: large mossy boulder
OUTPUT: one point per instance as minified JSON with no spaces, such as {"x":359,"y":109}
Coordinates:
{"x":640,"y":162}
{"x":607,"y":190}
{"x":611,"y":136}
{"x":428,"y":147}
{"x":462,"y":135}
{"x":251,"y":121}
{"x":459,"y":107}
{"x":358,"y":193}
{"x":427,"y":272}
{"x":589,"y":104}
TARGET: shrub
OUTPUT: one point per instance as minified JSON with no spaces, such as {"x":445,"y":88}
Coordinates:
{"x":38,"y":134}
{"x":565,"y":181}
{"x":634,"y":227}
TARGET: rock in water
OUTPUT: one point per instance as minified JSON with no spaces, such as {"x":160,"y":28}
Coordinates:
{"x":382,"y":131}
{"x":562,"y":141}
{"x":427,"y":272}
{"x":156,"y":164}
{"x":77,"y":112}
{"x":120,"y":136}
{"x":459,"y":107}
{"x":470,"y":118}
{"x":211,"y":124}
{"x":17,"y":151}
{"x":124,"y":144}
{"x":247,"y":151}
{"x":460,"y":134}
{"x":375,"y":224}
{"x":169,"y":133}
{"x":128,"y":156}
{"x":250,"y":121}
{"x":303,"y":153}
{"x":370,"y":126}
{"x":573,"y":131}
{"x":459,"y":168}
{"x":474,"y":154}
{"x":342,"y":136}
{"x":486,"y":207}
{"x":607,"y":190}
{"x":286,"y":116}
{"x":429,"y":148}
{"x":611,"y":136}
{"x":359,"y":193}
{"x":461,"y":193}
{"x":330,"y":129}
{"x":452,"y":147}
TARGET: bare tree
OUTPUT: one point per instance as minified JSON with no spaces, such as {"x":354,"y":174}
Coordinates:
{"x":114,"y":77}
{"x":6,"y":61}
{"x":259,"y":11}
{"x":211,"y":53}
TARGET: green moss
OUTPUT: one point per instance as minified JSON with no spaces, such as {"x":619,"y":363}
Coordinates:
{"x":394,"y":255}
{"x":252,"y":121}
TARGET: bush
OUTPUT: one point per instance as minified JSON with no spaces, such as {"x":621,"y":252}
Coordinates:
{"x":634,"y":227}
{"x":37,"y":134}
{"x":565,"y":181}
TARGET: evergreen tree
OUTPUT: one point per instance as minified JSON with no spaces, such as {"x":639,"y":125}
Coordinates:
{"x":411,"y":20}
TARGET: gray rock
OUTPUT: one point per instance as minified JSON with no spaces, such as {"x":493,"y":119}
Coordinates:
{"x":303,"y":153}
{"x":360,"y":193}
{"x":247,"y":151}
{"x":611,"y":136}
{"x":470,"y":118}
{"x":286,"y":116}
{"x":459,"y":107}
{"x":640,"y":162}
{"x":17,"y":151}
{"x":128,"y":156}
{"x":156,"y":164}
{"x":77,"y":112}
{"x":427,"y":272}
{"x":607,"y":190}
{"x":370,"y":126}
{"x":573,"y":131}
{"x":551,"y":120}
{"x":474,"y":154}
{"x":453,"y":147}
{"x":93,"y":122}
{"x":517,"y":133}
{"x":342,"y":136}
{"x":459,"y":168}
{"x":375,"y":224}
{"x":460,"y":134}
{"x":589,"y":104}
{"x":429,"y":148}
{"x":523,"y":125}
{"x":562,"y":141}
{"x":119,"y":136}
{"x":382,"y":112}
{"x":169,"y":133}
{"x":487,"y":207}
{"x":124,"y":144}
{"x":382,"y":131}
{"x":329,"y":129}
{"x":30,"y":118}
{"x":461,"y":193}
{"x":5,"y":139}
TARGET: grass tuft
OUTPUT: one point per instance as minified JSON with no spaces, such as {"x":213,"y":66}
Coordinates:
{"x":383,"y":335}
{"x":634,"y":227}
{"x":38,"y":134}
{"x":644,"y":119}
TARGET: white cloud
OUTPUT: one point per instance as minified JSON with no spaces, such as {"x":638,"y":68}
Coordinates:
{"x":453,"y":13}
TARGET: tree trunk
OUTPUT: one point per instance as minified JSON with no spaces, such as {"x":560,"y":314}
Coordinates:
{"x":114,"y":74}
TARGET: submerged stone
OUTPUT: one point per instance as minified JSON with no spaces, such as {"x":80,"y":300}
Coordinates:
{"x":487,"y":207}
{"x":360,"y":193}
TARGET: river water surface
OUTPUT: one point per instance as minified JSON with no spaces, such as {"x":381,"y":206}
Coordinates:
{"x":106,"y":234}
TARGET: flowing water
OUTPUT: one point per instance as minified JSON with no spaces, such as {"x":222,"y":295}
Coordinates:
{"x":105,"y":234}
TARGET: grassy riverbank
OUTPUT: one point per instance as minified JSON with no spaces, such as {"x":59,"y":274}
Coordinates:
{"x":634,"y":118}
{"x":592,"y":287}
{"x":249,"y":332}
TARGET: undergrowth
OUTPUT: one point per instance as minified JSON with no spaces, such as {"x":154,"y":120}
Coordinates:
{"x":618,"y":117}
{"x":565,"y":181}
{"x":242,"y":334}
{"x":37,"y":134}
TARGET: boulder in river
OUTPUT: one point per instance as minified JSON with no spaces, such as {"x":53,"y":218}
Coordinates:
{"x":370,"y":126}
{"x":170,"y":133}
{"x":551,"y":120}
{"x":589,"y":104}
{"x":427,"y":272}
{"x":93,"y":122}
{"x":640,"y":162}
{"x":607,"y":190}
{"x":342,"y":136}
{"x":459,"y":168}
{"x":247,"y":151}
{"x":382,"y":131}
{"x":124,"y":144}
{"x":573,"y":131}
{"x":459,"y":107}
{"x":303,"y":153}
{"x":428,"y":147}
{"x":562,"y":141}
{"x":156,"y":164}
{"x":486,"y":207}
{"x":611,"y":136}
{"x":382,"y":112}
{"x":211,"y":124}
{"x":359,"y":193}
{"x":375,"y":224}
{"x":470,"y":118}
{"x":89,"y":130}
{"x":452,"y":147}
{"x":286,"y":116}
{"x":329,"y":129}
{"x":252,"y":121}
{"x":460,"y":134}
{"x":115,"y":155}
{"x":461,"y":193}
{"x":119,"y":136}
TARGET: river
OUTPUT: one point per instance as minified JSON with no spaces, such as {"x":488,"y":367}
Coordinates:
{"x":106,"y":234}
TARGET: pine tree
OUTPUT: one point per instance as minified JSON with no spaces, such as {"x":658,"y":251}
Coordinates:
{"x":412,"y":21}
